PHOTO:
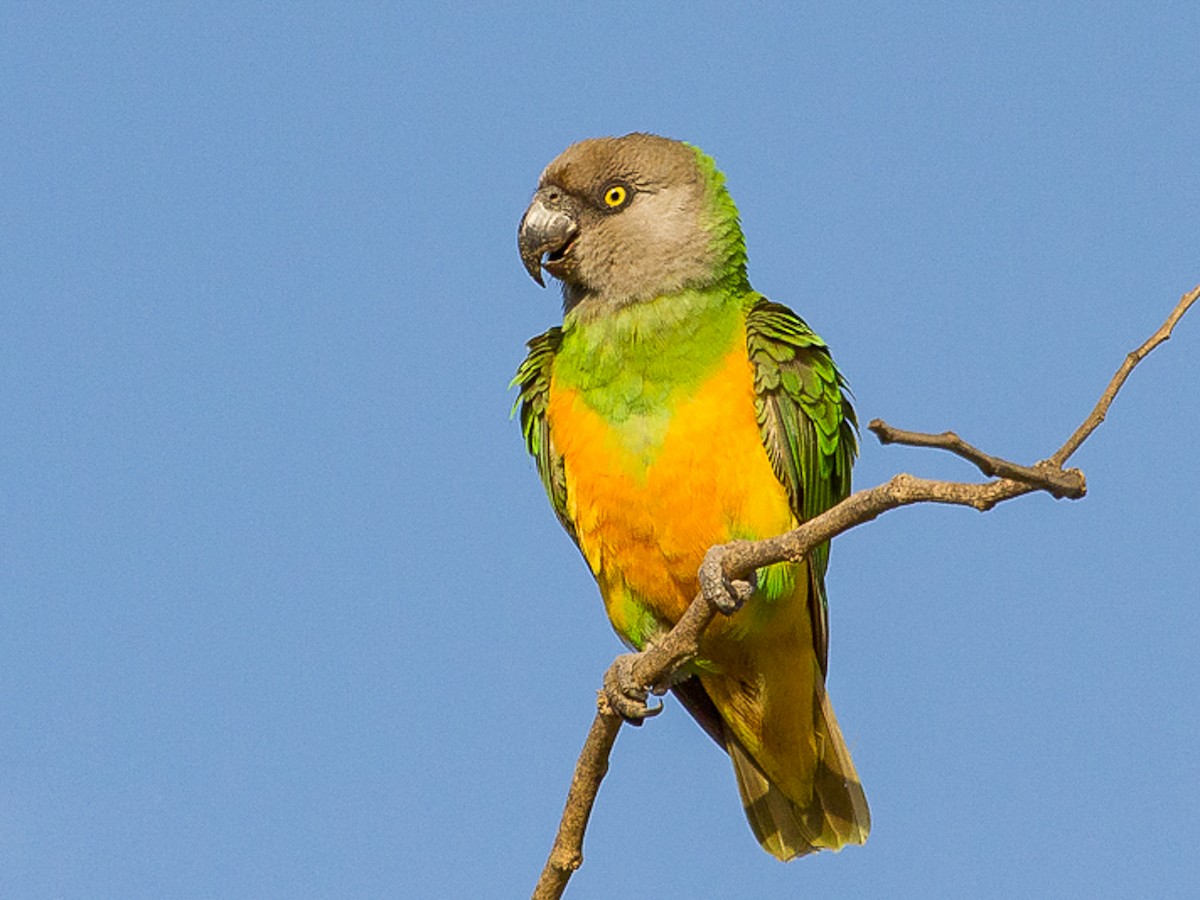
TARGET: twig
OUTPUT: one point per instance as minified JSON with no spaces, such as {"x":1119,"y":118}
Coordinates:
{"x":567,"y":853}
{"x":1043,"y":476}
{"x":723,"y":564}
{"x":1092,"y":422}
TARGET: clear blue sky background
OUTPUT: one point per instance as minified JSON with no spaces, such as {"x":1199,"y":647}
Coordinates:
{"x":283,"y":611}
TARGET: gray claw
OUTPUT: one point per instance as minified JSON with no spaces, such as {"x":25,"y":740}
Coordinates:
{"x":726,"y":595}
{"x":624,"y":695}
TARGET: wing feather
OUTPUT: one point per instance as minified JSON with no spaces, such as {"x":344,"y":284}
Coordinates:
{"x":808,"y":427}
{"x":533,"y":381}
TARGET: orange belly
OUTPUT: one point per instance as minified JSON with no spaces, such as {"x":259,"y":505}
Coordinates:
{"x":646,"y":509}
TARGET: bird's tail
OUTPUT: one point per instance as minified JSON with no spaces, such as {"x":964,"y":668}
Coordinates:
{"x":834,"y":815}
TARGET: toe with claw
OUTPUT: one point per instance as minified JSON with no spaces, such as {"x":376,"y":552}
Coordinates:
{"x":726,"y":594}
{"x":625,"y":696}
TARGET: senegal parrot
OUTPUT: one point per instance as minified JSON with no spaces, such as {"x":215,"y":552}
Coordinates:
{"x":675,"y":409}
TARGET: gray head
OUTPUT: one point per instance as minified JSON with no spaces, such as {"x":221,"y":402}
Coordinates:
{"x":620,"y":220}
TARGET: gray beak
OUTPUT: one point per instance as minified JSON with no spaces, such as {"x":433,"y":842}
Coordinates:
{"x":547,"y":229}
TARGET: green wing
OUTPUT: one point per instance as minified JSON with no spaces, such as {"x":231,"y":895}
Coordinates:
{"x":533,"y":380}
{"x":808,"y":427}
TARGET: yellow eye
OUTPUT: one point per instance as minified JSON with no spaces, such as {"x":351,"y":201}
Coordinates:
{"x":615,"y":196}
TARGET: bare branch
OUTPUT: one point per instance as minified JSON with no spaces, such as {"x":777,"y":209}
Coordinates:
{"x":652,"y":669}
{"x":1092,"y":422}
{"x":567,"y":853}
{"x":1044,"y":476}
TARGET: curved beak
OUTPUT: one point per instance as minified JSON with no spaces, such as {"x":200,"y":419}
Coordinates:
{"x":547,"y":229}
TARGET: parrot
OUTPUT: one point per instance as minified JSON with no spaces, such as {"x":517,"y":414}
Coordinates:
{"x":675,"y":409}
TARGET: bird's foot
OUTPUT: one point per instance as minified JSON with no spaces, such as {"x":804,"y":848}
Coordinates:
{"x":624,"y":695}
{"x":726,"y":594}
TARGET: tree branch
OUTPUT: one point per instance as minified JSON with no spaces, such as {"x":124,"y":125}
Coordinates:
{"x":567,"y":854}
{"x":1096,"y":416}
{"x":724,"y":564}
{"x":1043,"y":476}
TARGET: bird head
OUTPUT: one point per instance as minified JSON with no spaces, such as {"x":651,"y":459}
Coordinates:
{"x":628,"y":219}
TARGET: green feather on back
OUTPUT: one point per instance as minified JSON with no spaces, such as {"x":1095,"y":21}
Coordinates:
{"x":808,"y":426}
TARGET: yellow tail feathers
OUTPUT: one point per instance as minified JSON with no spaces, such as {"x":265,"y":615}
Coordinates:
{"x":834,"y":815}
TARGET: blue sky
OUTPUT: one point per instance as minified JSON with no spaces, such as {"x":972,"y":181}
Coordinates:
{"x":283,"y":611}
